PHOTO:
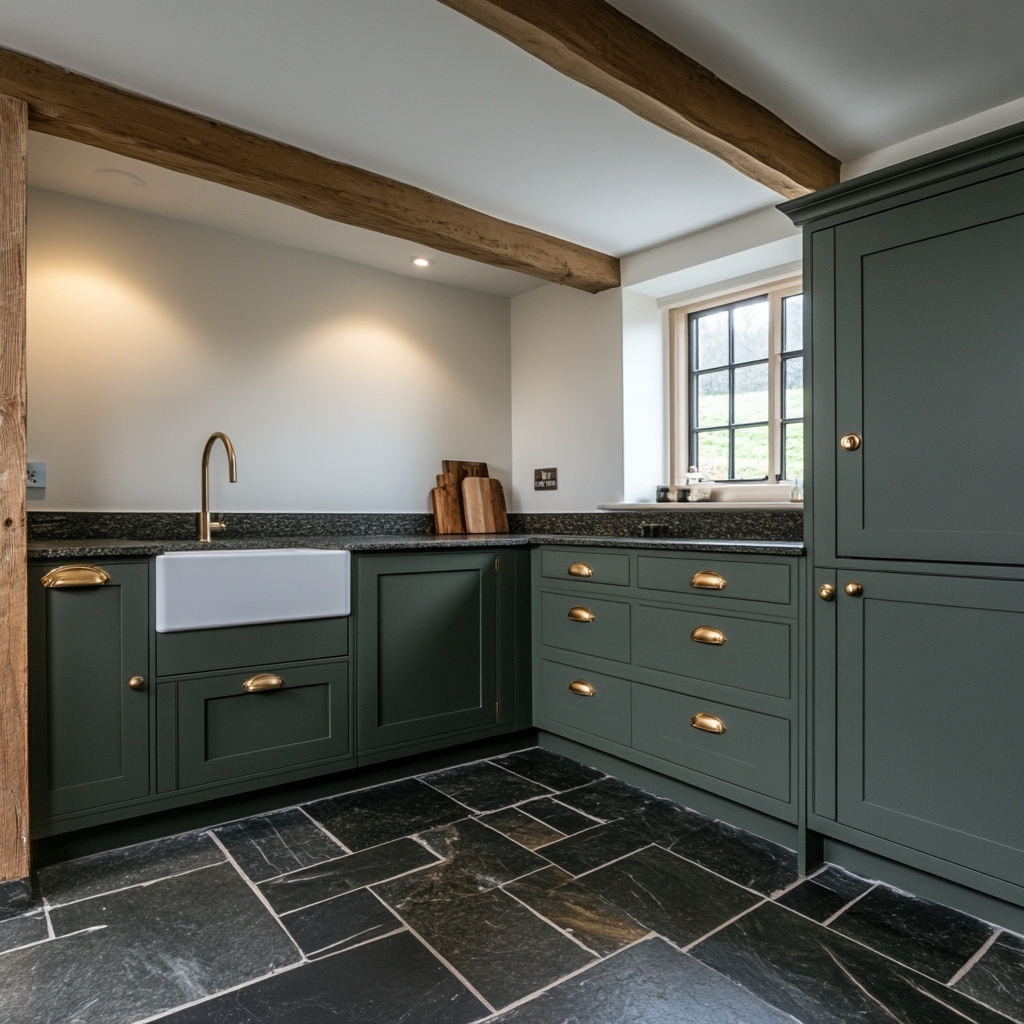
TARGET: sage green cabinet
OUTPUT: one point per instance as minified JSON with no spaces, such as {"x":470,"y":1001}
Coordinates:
{"x":89,"y":731}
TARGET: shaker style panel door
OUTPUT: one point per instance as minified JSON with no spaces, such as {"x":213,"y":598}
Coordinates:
{"x":929,"y":346}
{"x":89,"y":730}
{"x":930,"y":701}
{"x":427,"y":650}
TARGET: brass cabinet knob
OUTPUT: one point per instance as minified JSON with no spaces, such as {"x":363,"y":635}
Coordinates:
{"x":262,"y":681}
{"x":580,"y":569}
{"x":708,"y":635}
{"x":850,"y":442}
{"x":854,"y":589}
{"x":707,"y":723}
{"x":136,"y":683}
{"x":706,"y":579}
{"x":581,"y":614}
{"x":75,"y":576}
{"x":827,"y":592}
{"x":582,"y":688}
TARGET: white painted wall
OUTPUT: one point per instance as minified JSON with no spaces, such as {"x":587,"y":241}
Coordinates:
{"x":644,"y":396}
{"x":341,"y":386}
{"x":567,"y":397}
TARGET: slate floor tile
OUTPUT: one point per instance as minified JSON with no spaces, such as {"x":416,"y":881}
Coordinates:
{"x":18,"y":897}
{"x":484,"y":786}
{"x":997,"y":979}
{"x":669,"y":895}
{"x":821,"y":977}
{"x":588,"y":850}
{"x":607,"y":798}
{"x":343,"y":921}
{"x":369,"y":817}
{"x":557,"y":815}
{"x":20,"y":931}
{"x":589,"y":917}
{"x":335,"y":877}
{"x":144,"y":950}
{"x":395,"y":979}
{"x":271,"y":844}
{"x":522,"y":828}
{"x":825,"y":894}
{"x":651,"y":983}
{"x":929,"y":937}
{"x":548,"y":768}
{"x":130,"y":865}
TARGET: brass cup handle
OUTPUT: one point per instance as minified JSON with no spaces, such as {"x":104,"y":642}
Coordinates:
{"x":708,"y":635}
{"x":262,"y":681}
{"x":75,"y":576}
{"x":827,"y":592}
{"x":581,"y":614}
{"x":854,"y":589}
{"x":707,"y":579}
{"x":582,"y":688}
{"x":580,"y":569}
{"x":136,"y":683}
{"x":850,"y":442}
{"x":707,"y":723}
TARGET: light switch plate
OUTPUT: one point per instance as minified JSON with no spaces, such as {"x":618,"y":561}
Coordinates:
{"x":545,"y":479}
{"x":37,"y":474}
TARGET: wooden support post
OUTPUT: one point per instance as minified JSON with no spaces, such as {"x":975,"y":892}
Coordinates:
{"x":14,"y":836}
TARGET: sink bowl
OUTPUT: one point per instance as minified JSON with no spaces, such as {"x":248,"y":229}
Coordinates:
{"x":207,"y":589}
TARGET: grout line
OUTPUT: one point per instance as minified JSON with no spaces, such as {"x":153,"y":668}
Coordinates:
{"x":330,"y":835}
{"x":590,"y":871}
{"x":724,"y":924}
{"x":844,"y":909}
{"x":49,"y":924}
{"x":134,"y":885}
{"x":519,"y":775}
{"x":711,"y":871}
{"x":800,"y":881}
{"x":458,"y":974}
{"x":986,"y":946}
{"x":54,"y":938}
{"x":355,"y":945}
{"x":521,"y":806}
{"x":547,"y":920}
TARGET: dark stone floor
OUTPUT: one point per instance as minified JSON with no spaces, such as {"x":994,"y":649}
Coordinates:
{"x":527,"y":889}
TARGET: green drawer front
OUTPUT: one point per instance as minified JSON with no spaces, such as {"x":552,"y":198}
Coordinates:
{"x":606,"y":637}
{"x":605,"y":568}
{"x":225,"y":733}
{"x":208,"y":650}
{"x":744,"y":581}
{"x":752,"y":753}
{"x":605,"y":714}
{"x":755,"y":655}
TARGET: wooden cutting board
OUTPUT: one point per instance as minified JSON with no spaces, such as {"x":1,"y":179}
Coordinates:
{"x":483,"y":501}
{"x":447,"y":506}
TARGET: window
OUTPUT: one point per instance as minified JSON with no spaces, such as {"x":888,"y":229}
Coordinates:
{"x":739,"y":386}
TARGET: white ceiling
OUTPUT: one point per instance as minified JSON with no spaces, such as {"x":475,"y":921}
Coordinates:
{"x":416,"y":91}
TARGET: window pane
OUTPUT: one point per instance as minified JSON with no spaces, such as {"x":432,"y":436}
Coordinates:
{"x":750,"y":332}
{"x":751,"y":402}
{"x":793,"y":388}
{"x":751,"y":452}
{"x":793,"y":323}
{"x":713,"y":399}
{"x":713,"y":340}
{"x":713,"y":454}
{"x":793,"y":451}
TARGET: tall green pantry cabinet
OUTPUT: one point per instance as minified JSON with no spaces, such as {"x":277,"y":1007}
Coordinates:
{"x":916,"y":511}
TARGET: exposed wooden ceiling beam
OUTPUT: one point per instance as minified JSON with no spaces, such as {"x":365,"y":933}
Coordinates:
{"x":592,"y":42}
{"x":72,"y":106}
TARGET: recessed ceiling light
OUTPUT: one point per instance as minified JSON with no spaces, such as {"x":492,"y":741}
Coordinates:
{"x":125,"y":177}
{"x":420,"y":261}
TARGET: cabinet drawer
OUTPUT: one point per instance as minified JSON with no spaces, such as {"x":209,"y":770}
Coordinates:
{"x":754,"y":656}
{"x":743,"y":581}
{"x":225,"y":733}
{"x":607,"y":636}
{"x":605,"y":713}
{"x":208,"y":650}
{"x":753,"y":752}
{"x":604,"y":567}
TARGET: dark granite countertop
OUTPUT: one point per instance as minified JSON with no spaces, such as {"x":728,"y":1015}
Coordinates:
{"x":114,"y":548}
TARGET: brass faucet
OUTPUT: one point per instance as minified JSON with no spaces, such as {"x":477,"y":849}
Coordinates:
{"x":205,"y":525}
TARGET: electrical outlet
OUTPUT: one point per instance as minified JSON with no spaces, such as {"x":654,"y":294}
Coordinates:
{"x":545,"y":479}
{"x":37,"y":474}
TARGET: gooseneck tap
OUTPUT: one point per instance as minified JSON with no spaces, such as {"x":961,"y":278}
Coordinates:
{"x":205,"y":525}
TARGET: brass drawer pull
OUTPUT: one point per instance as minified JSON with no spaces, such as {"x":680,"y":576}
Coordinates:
{"x":708,"y":635}
{"x":262,"y":681}
{"x":136,"y":683}
{"x":76,"y":576}
{"x":850,"y":442}
{"x":581,"y":614}
{"x":854,"y":589}
{"x":827,"y":592}
{"x":707,"y":723}
{"x":582,"y":687}
{"x":706,"y":579}
{"x":580,"y":569}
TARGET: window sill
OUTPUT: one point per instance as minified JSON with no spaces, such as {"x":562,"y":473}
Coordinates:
{"x":696,"y":506}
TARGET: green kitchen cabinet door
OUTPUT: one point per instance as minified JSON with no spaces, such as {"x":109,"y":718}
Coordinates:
{"x":928,"y":310}
{"x":89,"y":731}
{"x":427,"y":646}
{"x":930,"y":701}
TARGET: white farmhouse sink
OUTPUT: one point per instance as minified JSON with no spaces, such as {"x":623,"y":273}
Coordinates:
{"x":206,"y":589}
